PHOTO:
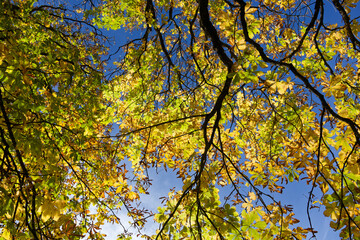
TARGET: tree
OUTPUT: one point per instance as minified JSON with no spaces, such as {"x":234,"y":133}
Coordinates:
{"x":236,"y":98}
{"x":51,"y":111}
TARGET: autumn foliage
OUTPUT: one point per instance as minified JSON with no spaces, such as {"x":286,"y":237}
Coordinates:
{"x":237,"y":98}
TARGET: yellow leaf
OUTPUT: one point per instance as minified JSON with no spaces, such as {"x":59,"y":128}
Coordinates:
{"x":119,"y":190}
{"x":251,"y":10}
{"x":324,"y":188}
{"x":333,"y":225}
{"x":2,"y":58}
{"x":49,"y":210}
{"x":343,"y":112}
{"x":132,"y":195}
{"x":281,"y":87}
{"x":252,"y":195}
{"x":241,"y":44}
{"x":6,"y":234}
{"x":247,"y":205}
{"x":222,"y":182}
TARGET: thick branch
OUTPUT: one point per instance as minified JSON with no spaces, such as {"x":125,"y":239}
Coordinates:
{"x":346,"y":19}
{"x":211,"y":31}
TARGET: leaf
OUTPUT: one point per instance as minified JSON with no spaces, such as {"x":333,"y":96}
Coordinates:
{"x":49,"y":210}
{"x":132,"y":195}
{"x":6,"y":234}
{"x":352,"y":176}
{"x":252,"y":196}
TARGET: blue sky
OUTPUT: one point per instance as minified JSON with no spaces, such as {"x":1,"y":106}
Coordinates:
{"x":295,"y":194}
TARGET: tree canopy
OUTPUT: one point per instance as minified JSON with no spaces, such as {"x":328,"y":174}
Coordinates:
{"x":236,"y":98}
